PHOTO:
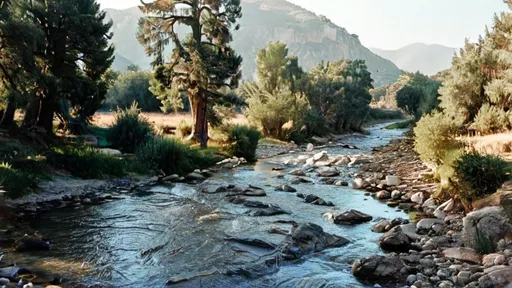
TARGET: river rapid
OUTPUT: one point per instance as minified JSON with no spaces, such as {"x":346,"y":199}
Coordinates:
{"x":147,"y":237}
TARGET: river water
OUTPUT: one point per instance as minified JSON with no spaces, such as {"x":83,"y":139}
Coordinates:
{"x":146,"y":238}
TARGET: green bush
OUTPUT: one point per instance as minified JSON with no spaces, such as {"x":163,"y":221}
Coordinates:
{"x":491,"y":119}
{"x":130,"y":130}
{"x":184,"y":129}
{"x":242,"y":141}
{"x":434,"y":136}
{"x":378,"y":114}
{"x":173,"y":157}
{"x":315,"y":123}
{"x":85,"y":162}
{"x":15,"y":182}
{"x":12,"y":149}
{"x":478,"y":175}
{"x":400,"y":125}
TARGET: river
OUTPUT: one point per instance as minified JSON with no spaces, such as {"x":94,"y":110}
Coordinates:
{"x":147,"y":237}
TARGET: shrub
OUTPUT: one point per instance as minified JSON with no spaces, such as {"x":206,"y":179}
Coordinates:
{"x":173,"y":157}
{"x":130,"y":130}
{"x":13,"y":149}
{"x":434,"y":135}
{"x":378,"y":114}
{"x":85,"y":162}
{"x":242,"y":141}
{"x":478,"y":175}
{"x":400,"y":125}
{"x":491,"y":119}
{"x":184,"y":129}
{"x":315,"y":123}
{"x":15,"y":182}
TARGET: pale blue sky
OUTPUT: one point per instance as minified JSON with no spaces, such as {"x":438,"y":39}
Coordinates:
{"x":391,"y":24}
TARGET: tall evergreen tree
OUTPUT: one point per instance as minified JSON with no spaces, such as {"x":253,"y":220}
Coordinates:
{"x":73,"y":61}
{"x":202,"y":61}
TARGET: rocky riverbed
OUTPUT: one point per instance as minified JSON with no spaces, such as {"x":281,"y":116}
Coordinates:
{"x":355,"y":212}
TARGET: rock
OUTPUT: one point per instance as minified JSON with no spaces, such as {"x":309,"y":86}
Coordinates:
{"x":310,"y":162}
{"x":411,"y":279}
{"x":310,"y":147}
{"x":270,"y":211}
{"x":493,"y":260}
{"x":429,"y":203}
{"x":462,"y":254}
{"x":490,"y":221}
{"x":379,"y":268}
{"x":395,"y":195}
{"x":418,"y":198}
{"x":327,"y":172}
{"x":506,"y":203}
{"x":381,"y":226}
{"x":109,"y":151}
{"x":352,"y":217}
{"x":428,"y":223}
{"x":341,"y":183}
{"x":252,"y":242}
{"x":90,"y":140}
{"x":321,"y":156}
{"x":463,"y":277}
{"x":410,"y":230}
{"x":392,"y":180}
{"x":439,"y":214}
{"x":303,"y":180}
{"x":501,"y":277}
{"x":344,"y":161}
{"x":297,"y":172}
{"x":171,"y":178}
{"x":358,"y":161}
{"x":285,"y":188}
{"x":309,"y":238}
{"x":382,"y":195}
{"x":359,"y":183}
{"x":10,"y":272}
{"x":4,"y":281}
{"x":32,"y":243}
{"x":195,"y":177}
{"x":395,"y":240}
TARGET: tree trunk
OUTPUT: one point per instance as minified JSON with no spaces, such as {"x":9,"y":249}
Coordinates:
{"x":47,"y":112}
{"x":8,"y":117}
{"x":31,"y":113}
{"x":201,"y":122}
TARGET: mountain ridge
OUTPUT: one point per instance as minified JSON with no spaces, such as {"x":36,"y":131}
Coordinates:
{"x":428,"y":59}
{"x":310,"y":37}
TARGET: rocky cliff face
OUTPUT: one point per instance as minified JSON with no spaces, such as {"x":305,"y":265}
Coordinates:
{"x":310,"y":37}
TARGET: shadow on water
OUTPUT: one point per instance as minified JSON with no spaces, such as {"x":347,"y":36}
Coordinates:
{"x":143,"y":239}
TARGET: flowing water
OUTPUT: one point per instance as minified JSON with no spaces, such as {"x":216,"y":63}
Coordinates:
{"x":143,"y":239}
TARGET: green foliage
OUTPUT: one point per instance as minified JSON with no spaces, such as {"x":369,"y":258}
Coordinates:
{"x":184,"y":129}
{"x":315,"y":123}
{"x":491,"y":119}
{"x":408,"y":99}
{"x":400,"y":125}
{"x":15,"y":182}
{"x":85,"y":162}
{"x":174,"y":157}
{"x":434,"y":135}
{"x":132,"y":87}
{"x":13,"y":149}
{"x":479,"y":175}
{"x":379,"y":115}
{"x":130,"y":130}
{"x":242,"y":141}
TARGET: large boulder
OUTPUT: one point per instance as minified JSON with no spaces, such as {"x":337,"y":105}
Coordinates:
{"x":382,"y":195}
{"x":395,"y":240}
{"x":426,"y":224}
{"x":359,"y":183}
{"x":379,"y":268}
{"x":309,"y":238}
{"x":343,"y":161}
{"x":463,"y":254}
{"x":321,"y":156}
{"x":352,"y":217}
{"x":500,"y":277}
{"x":491,"y":222}
{"x":327,"y":172}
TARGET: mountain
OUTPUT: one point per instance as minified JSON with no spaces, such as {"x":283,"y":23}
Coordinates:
{"x":428,"y":59}
{"x":312,"y":38}
{"x":121,"y":63}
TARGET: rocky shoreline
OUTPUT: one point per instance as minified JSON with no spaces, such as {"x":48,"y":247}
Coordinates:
{"x":440,"y":248}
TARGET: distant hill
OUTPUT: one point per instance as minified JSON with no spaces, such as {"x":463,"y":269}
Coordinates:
{"x":312,"y":38}
{"x":428,"y":59}
{"x":121,"y":63}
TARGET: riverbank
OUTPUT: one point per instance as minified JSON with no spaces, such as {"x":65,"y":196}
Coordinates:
{"x":442,"y":247}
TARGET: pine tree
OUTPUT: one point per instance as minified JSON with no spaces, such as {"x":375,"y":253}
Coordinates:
{"x":202,"y":61}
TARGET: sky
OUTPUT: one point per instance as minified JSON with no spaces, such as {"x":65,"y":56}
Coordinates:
{"x":392,"y":24}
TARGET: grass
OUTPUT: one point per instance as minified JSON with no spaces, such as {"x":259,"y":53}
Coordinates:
{"x":400,"y":125}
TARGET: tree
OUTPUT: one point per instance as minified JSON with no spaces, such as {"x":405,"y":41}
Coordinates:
{"x":73,"y":60}
{"x":408,"y":99}
{"x":130,"y":87}
{"x":18,"y":41}
{"x":202,"y":61}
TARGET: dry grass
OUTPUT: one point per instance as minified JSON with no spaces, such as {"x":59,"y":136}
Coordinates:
{"x":105,"y":119}
{"x":496,"y":144}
